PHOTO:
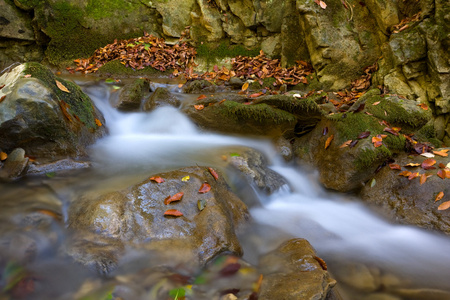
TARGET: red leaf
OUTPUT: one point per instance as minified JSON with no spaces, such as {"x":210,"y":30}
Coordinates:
{"x":173,"y":212}
{"x":428,"y":163}
{"x":201,"y":97}
{"x":328,"y":141}
{"x":176,"y":197}
{"x":363,"y":135}
{"x":204,"y":188}
{"x":395,"y":167}
{"x":157,"y":179}
{"x":213,"y":173}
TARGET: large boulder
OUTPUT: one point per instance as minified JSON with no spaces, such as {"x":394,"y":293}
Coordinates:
{"x":45,"y":115}
{"x":412,"y":202}
{"x":135,"y":216}
{"x":132,"y":95}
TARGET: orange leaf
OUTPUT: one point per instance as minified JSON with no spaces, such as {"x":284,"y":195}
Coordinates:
{"x":328,"y":141}
{"x":50,"y":213}
{"x":439,"y":196}
{"x":3,"y":156}
{"x":176,"y":197}
{"x":173,"y":212}
{"x":423,"y":178}
{"x":61,"y":86}
{"x":255,"y":95}
{"x":376,"y":103}
{"x":445,"y":173}
{"x":213,"y":173}
{"x":395,"y":167}
{"x":345,"y":144}
{"x":405,"y":173}
{"x":27,"y":76}
{"x":428,"y":164}
{"x":199,"y":107}
{"x":204,"y":188}
{"x":441,"y":152}
{"x":245,"y":86}
{"x":377,"y":141}
{"x":412,"y":165}
{"x":97,"y":121}
{"x":444,"y":205}
{"x":423,"y":106}
{"x":442,"y":166}
{"x":157,"y":179}
{"x":201,"y":97}
{"x":413,"y":175}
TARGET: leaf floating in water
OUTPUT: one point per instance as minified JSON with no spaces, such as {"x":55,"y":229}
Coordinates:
{"x":185,"y":178}
{"x":97,"y":121}
{"x":201,"y":204}
{"x":445,"y":205}
{"x":328,"y":141}
{"x":157,"y":179}
{"x":61,"y":86}
{"x":173,"y":212}
{"x":213,"y":173}
{"x":204,"y":188}
{"x":176,"y":197}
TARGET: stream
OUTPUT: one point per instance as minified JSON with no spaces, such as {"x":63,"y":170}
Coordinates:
{"x":345,"y":233}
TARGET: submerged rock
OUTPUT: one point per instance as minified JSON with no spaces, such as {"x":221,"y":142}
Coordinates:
{"x":132,"y":94}
{"x":45,"y":115}
{"x":160,"y":97}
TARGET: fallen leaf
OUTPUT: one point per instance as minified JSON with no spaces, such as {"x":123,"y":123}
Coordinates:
{"x":2,"y":98}
{"x":376,"y":103}
{"x":413,"y":175}
{"x":204,"y":188}
{"x":213,"y":173}
{"x":391,"y":130}
{"x":428,"y":163}
{"x":157,"y":179}
{"x":363,"y":135}
{"x":201,"y":97}
{"x":405,"y":173}
{"x":395,"y":167}
{"x":245,"y":86}
{"x":423,"y":106}
{"x":377,"y":141}
{"x":328,"y":141}
{"x":257,"y":285}
{"x":50,"y":213}
{"x":373,"y":182}
{"x":97,"y":121}
{"x":353,"y":144}
{"x":444,"y":205}
{"x":445,"y":173}
{"x":442,"y":153}
{"x":423,"y":178}
{"x":27,"y":76}
{"x":412,"y":165}
{"x":256,"y":95}
{"x":3,"y":156}
{"x":345,"y":144}
{"x":427,"y":154}
{"x":176,"y":197}
{"x":439,"y":196}
{"x":173,"y":212}
{"x":201,"y":204}
{"x":321,"y":3}
{"x":186,"y":178}
{"x":199,"y":107}
{"x":61,"y":86}
{"x":442,"y":166}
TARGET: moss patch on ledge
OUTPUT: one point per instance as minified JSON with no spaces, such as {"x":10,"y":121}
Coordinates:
{"x":114,"y":67}
{"x":260,"y":113}
{"x":212,"y":52}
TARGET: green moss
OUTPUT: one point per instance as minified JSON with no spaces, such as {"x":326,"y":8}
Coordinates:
{"x":116,"y":68}
{"x":368,"y":157}
{"x":107,"y":8}
{"x":260,"y":113}
{"x":350,"y":125}
{"x":79,"y":103}
{"x":267,"y":83}
{"x":213,"y":51}
{"x":395,"y":143}
{"x":428,"y":133}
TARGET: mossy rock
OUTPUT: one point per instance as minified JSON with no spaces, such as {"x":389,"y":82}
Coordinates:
{"x":116,"y":68}
{"x":132,"y":94}
{"x":213,"y":52}
{"x":45,"y":115}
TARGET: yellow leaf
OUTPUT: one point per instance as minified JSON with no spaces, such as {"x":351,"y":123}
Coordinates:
{"x":444,"y":205}
{"x":3,"y":156}
{"x":97,"y":121}
{"x":345,"y":144}
{"x":328,"y":141}
{"x":245,"y":86}
{"x":185,"y":178}
{"x":61,"y":86}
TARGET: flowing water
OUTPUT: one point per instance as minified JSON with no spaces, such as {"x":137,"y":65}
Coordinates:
{"x":342,"y":230}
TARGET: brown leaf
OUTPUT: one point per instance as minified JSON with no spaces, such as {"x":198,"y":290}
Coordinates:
{"x":204,"y":188}
{"x":439,"y":196}
{"x":173,"y":212}
{"x":199,"y":107}
{"x":353,"y":144}
{"x":428,"y":163}
{"x":256,"y":95}
{"x":97,"y":121}
{"x":3,"y":156}
{"x":61,"y":86}
{"x":328,"y":141}
{"x":201,"y":97}
{"x":391,"y":130}
{"x":245,"y":86}
{"x":405,"y":173}
{"x":442,"y":166}
{"x":176,"y":197}
{"x":413,"y":175}
{"x":442,"y":153}
{"x":363,"y":135}
{"x":157,"y":179}
{"x":213,"y":173}
{"x":423,"y":178}
{"x":444,"y":205}
{"x":345,"y":144}
{"x":2,"y":98}
{"x":395,"y":167}
{"x":444,"y":173}
{"x":412,"y":165}
{"x":64,"y":108}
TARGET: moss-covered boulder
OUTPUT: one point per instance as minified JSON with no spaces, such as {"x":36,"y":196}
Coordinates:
{"x":273,"y":115}
{"x":136,"y":215}
{"x":407,"y":201}
{"x":132,"y":95}
{"x":46,"y":115}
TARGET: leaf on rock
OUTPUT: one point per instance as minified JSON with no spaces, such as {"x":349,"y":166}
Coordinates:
{"x":176,"y":197}
{"x":427,"y":154}
{"x":3,"y":156}
{"x":61,"y":86}
{"x":442,"y":166}
{"x":245,"y":86}
{"x":173,"y":212}
{"x":442,"y":153}
{"x":413,"y":175}
{"x":445,"y":205}
{"x":412,"y":165}
{"x":2,"y":98}
{"x":157,"y":179}
{"x":391,"y":130}
{"x":395,"y":167}
{"x":177,"y":294}
{"x":201,"y":204}
{"x":423,"y":178}
{"x":199,"y":107}
{"x":201,"y":97}
{"x":439,"y":196}
{"x":405,"y":173}
{"x":185,"y":178}
{"x":363,"y":135}
{"x":353,"y":144}
{"x":64,"y":108}
{"x":204,"y":188}
{"x":444,"y":173}
{"x":423,"y":106}
{"x":345,"y":144}
{"x":428,"y":163}
{"x":97,"y":121}
{"x":213,"y":173}
{"x":328,"y":141}
{"x":377,"y":140}
{"x":321,"y":3}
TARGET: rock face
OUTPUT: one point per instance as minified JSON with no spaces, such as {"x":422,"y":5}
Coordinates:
{"x":293,"y":271}
{"x":43,"y":119}
{"x":135,"y":216}
{"x":408,"y":201}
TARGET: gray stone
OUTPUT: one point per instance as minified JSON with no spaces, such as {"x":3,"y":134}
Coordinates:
{"x":272,"y":45}
{"x":15,"y":165}
{"x":244,"y":10}
{"x":176,"y":15}
{"x":132,"y":94}
{"x":14,"y":24}
{"x":160,"y":97}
